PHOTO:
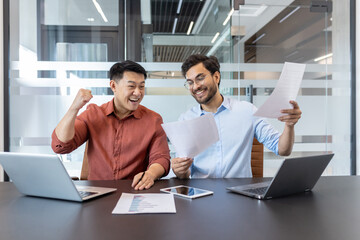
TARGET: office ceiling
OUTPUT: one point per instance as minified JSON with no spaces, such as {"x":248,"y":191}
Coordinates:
{"x":80,"y":12}
{"x":164,"y":13}
{"x":301,"y":37}
{"x":177,"y":53}
{"x":173,"y":17}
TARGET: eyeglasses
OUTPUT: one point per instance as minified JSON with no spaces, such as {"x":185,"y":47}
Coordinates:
{"x":189,"y":84}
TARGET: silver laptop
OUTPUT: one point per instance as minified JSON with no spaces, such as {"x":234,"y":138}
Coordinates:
{"x":294,"y":176}
{"x":44,"y":175}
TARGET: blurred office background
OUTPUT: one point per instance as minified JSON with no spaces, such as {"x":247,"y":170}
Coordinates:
{"x":54,"y":47}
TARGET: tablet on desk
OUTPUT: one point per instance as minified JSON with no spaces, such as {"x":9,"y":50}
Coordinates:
{"x":186,"y":191}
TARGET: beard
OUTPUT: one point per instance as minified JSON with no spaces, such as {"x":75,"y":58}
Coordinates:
{"x":211,"y":92}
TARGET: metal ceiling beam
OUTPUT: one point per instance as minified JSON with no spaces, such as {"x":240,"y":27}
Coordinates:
{"x":174,"y":40}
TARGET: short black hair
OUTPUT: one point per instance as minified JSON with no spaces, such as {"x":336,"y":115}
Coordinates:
{"x":210,"y":63}
{"x":117,"y":70}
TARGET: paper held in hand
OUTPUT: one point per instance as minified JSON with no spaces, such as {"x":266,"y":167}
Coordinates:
{"x":191,"y":137}
{"x":286,"y":89}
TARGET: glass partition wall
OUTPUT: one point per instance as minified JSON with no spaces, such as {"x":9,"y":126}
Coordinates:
{"x":310,"y":32}
{"x":59,"y":46}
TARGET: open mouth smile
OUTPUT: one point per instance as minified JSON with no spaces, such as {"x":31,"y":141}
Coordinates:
{"x":200,"y":93}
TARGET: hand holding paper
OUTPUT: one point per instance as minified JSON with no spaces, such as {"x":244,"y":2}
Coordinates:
{"x":291,"y":116}
{"x":286,"y":89}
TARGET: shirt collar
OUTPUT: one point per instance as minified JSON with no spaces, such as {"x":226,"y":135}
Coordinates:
{"x":109,"y":109}
{"x":137,"y":113}
{"x":224,"y":105}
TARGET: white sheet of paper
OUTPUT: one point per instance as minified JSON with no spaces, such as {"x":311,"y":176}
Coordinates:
{"x":145,"y":203}
{"x":286,"y":89}
{"x":191,"y":137}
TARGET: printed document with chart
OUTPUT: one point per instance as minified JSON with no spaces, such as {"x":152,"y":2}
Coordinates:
{"x":286,"y":89}
{"x":145,"y":203}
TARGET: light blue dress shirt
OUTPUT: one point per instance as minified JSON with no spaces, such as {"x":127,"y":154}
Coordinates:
{"x":230,"y":157}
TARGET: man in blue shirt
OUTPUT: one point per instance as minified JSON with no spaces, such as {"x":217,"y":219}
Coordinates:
{"x":231,"y":155}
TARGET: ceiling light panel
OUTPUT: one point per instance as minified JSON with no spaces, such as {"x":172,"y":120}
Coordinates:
{"x":163,"y":13}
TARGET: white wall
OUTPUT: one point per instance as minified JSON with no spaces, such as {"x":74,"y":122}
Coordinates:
{"x":1,"y":86}
{"x":358,"y":85}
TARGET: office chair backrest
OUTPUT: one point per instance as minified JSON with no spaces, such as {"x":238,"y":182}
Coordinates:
{"x":257,"y":159}
{"x":85,"y":166}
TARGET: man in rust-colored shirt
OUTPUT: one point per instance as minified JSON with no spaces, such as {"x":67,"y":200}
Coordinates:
{"x":126,"y":140}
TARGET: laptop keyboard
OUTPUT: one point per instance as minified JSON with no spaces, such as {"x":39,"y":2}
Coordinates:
{"x":84,"y":194}
{"x":259,"y":191}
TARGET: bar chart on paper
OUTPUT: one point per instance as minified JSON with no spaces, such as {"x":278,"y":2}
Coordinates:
{"x":139,"y":204}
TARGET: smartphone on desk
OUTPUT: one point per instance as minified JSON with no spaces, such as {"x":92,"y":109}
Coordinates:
{"x":186,"y":191}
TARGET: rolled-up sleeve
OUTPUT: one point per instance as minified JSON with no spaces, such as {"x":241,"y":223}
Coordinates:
{"x":267,"y":135}
{"x":159,"y":149}
{"x":79,"y":138}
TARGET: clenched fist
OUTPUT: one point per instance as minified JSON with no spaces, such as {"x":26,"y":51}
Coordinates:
{"x":82,"y":97}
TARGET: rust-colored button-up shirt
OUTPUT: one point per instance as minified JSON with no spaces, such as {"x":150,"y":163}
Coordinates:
{"x":118,"y":149}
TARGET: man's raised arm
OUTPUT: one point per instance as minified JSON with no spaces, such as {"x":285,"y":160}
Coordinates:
{"x":65,"y":130}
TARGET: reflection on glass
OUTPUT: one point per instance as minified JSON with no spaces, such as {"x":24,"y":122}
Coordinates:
{"x":252,"y":43}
